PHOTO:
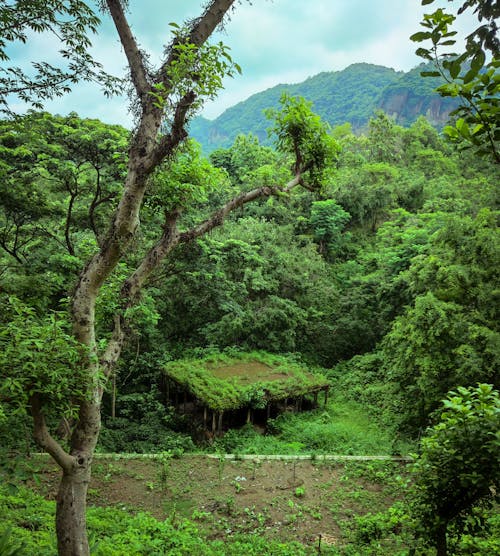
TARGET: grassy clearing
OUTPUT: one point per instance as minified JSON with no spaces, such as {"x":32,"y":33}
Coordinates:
{"x":342,"y":427}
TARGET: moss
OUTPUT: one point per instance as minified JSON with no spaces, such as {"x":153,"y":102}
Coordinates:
{"x":252,"y":379}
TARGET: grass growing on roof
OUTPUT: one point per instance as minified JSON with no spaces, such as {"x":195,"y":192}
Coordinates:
{"x":223,"y":382}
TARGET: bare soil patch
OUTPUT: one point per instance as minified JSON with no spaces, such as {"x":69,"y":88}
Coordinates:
{"x":279,"y":499}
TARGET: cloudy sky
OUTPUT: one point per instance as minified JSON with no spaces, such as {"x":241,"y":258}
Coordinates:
{"x":274,"y":41}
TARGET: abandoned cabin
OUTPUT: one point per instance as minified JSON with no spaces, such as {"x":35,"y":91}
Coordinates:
{"x":222,"y":392}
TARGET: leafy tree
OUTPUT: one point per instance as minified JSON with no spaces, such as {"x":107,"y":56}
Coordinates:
{"x":384,"y":139}
{"x":449,"y":337}
{"x":328,"y":220}
{"x":468,"y":75}
{"x":71,"y":22}
{"x":107,"y":295}
{"x":457,"y":470}
{"x":312,"y":147}
{"x":245,"y":155}
{"x":60,"y":180}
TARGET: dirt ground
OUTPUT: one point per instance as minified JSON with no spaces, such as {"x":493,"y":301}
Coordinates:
{"x":279,"y":499}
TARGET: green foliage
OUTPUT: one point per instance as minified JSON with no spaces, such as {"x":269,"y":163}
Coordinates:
{"x":457,"y":469}
{"x":70,"y":23}
{"x":38,"y":357}
{"x":328,"y":220}
{"x":245,"y":156}
{"x":468,"y":75}
{"x":142,"y":425}
{"x":303,"y":135}
{"x":342,"y":427}
{"x":196,"y":70}
{"x":8,"y":545}
{"x":60,"y":179}
{"x":184,"y":181}
{"x":252,"y":285}
{"x":114,"y":532}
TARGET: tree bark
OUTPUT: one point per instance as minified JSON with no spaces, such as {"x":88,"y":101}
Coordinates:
{"x":441,"y":542}
{"x":71,"y":525}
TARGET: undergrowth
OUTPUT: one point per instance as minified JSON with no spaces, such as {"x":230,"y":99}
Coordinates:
{"x":27,"y":524}
{"x":342,"y":427}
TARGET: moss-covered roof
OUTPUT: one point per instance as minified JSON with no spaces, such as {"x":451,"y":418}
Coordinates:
{"x":252,"y":379}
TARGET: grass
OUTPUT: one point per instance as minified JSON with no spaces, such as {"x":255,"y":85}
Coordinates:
{"x":342,"y":427}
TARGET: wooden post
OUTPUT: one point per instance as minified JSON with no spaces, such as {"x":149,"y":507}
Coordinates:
{"x":219,"y":427}
{"x":268,"y":411}
{"x":205,"y":417}
{"x":249,"y":415}
{"x":213,"y":423}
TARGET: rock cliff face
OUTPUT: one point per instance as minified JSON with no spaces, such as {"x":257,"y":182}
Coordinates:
{"x":351,"y":95}
{"x":405,"y":107}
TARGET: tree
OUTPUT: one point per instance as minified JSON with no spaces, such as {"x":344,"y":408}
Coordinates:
{"x":71,"y":22}
{"x":468,"y":75}
{"x":328,"y":220}
{"x":457,"y":469}
{"x":165,"y":99}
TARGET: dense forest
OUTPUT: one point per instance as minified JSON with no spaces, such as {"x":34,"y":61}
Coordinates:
{"x":367,"y":254}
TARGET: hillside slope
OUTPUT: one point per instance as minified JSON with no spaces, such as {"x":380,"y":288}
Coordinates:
{"x":351,"y":95}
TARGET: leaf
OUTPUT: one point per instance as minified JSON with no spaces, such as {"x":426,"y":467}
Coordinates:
{"x":478,"y":61}
{"x":455,"y":68}
{"x":420,"y":36}
{"x":469,"y":76}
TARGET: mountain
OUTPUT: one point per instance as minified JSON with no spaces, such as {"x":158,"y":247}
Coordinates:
{"x":351,"y":95}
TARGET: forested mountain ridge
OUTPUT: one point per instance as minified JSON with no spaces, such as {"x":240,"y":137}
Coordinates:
{"x":351,"y":95}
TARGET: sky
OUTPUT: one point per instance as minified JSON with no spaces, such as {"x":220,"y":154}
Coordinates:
{"x":274,"y":41}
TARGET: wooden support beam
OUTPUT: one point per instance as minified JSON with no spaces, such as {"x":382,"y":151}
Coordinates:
{"x":268,"y":411}
{"x":213,"y":423}
{"x":205,"y":417}
{"x":219,"y":426}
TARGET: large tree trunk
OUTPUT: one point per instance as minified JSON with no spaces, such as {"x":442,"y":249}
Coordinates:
{"x":71,"y":526}
{"x":441,"y":543}
{"x":70,"y":512}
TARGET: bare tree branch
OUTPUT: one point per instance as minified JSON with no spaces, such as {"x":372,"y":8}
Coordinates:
{"x":135,"y":59}
{"x":217,"y":218}
{"x":43,"y":437}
